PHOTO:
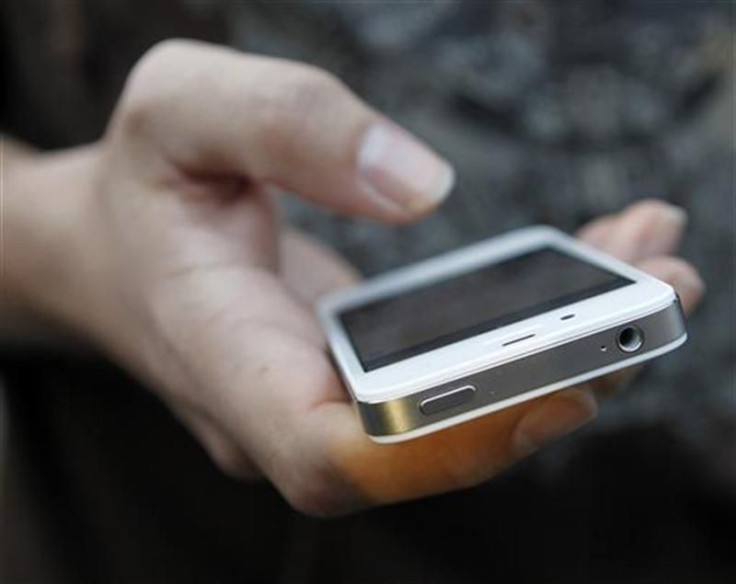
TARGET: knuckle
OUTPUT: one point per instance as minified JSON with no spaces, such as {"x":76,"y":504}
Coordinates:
{"x":163,"y":56}
{"x":678,"y":270}
{"x":232,"y":465}
{"x":306,"y":501}
{"x":688,"y":271}
{"x":164,"y":52}
{"x":649,"y":209}
{"x":672,"y":264}
{"x":314,"y":500}
{"x":650,"y":202}
{"x":319,"y":491}
{"x":148,"y":88}
{"x":228,"y":459}
{"x":645,"y":219}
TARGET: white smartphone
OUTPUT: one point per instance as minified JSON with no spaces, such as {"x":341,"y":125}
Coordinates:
{"x":483,"y":328}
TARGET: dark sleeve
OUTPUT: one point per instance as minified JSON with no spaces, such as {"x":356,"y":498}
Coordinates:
{"x":65,"y":63}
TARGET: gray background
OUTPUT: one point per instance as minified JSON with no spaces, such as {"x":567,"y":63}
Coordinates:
{"x":552,"y":112}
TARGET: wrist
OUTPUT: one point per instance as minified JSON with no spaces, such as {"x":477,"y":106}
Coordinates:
{"x":45,"y":197}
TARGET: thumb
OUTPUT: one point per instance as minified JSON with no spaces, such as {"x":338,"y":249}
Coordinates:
{"x":213,"y":110}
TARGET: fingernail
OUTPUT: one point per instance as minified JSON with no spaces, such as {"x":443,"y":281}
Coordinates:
{"x":559,"y":415}
{"x":399,"y":168}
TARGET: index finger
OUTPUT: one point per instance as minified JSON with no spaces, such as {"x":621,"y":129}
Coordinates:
{"x":458,"y":457}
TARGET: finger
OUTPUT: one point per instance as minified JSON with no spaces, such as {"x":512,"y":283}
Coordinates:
{"x":598,"y":231}
{"x":681,"y":275}
{"x":645,"y":229}
{"x":311,"y":269}
{"x":458,"y":457}
{"x":689,"y":287}
{"x":214,"y":110}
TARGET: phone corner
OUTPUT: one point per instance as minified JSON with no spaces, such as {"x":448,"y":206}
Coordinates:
{"x":542,"y":230}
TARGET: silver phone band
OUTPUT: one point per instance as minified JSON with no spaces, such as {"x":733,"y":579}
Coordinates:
{"x":517,"y":377}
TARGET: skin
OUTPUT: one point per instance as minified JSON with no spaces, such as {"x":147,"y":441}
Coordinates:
{"x":162,"y":246}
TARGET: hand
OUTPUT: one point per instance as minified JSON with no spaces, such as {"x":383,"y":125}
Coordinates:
{"x":167,"y":252}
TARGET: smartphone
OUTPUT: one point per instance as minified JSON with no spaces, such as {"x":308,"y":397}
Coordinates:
{"x":491,"y":325}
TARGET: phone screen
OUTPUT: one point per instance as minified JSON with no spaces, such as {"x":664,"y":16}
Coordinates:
{"x":447,"y":311}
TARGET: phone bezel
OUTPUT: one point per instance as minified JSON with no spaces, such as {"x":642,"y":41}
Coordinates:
{"x":478,"y":352}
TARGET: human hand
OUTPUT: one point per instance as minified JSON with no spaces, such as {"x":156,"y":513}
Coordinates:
{"x":167,"y":253}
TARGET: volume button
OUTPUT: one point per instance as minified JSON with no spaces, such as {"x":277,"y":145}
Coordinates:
{"x":447,"y":400}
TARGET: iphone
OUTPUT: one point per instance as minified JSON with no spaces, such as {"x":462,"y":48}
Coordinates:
{"x":483,"y":328}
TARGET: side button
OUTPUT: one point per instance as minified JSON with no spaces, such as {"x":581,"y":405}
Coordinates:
{"x":447,"y":400}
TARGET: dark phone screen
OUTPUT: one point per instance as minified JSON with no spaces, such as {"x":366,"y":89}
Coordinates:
{"x":421,"y":319}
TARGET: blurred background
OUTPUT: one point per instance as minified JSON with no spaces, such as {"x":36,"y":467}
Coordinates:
{"x":552,"y":112}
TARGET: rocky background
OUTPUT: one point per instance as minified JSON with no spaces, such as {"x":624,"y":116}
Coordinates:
{"x":552,"y":112}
